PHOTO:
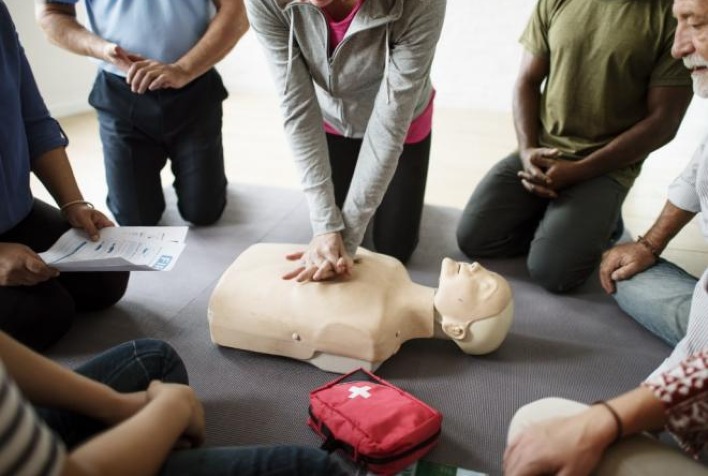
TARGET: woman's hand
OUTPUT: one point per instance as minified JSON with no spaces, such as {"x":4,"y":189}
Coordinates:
{"x":179,"y":394}
{"x":325,"y":258}
{"x":566,"y":446}
{"x":20,"y":266}
{"x":83,"y":215}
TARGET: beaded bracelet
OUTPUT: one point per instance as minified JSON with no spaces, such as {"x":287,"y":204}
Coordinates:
{"x":649,"y":246}
{"x":618,"y":421}
{"x":75,"y":202}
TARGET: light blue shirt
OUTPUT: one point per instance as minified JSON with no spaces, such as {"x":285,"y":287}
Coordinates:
{"x":163,"y":30}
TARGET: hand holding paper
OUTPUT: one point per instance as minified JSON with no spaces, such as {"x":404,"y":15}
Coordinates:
{"x":125,"y":248}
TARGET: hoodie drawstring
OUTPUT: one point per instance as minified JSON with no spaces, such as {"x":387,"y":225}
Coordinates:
{"x":388,"y":58}
{"x":291,"y":41}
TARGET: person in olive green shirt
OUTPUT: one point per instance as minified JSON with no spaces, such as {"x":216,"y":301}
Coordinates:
{"x":597,"y":92}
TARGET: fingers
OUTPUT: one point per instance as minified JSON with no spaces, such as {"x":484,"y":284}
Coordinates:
{"x":607,"y":266}
{"x":539,"y":190}
{"x":295,"y":256}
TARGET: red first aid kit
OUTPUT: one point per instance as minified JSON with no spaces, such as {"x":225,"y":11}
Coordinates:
{"x":376,"y":424}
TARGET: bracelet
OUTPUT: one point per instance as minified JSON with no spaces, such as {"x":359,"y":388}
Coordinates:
{"x":75,"y":202}
{"x":649,"y":246}
{"x":618,"y":421}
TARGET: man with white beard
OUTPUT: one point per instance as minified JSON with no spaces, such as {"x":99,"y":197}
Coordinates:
{"x":562,"y":437}
{"x":654,"y":291}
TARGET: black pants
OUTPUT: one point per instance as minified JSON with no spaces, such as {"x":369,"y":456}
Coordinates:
{"x":139,"y":132}
{"x":39,"y":315}
{"x":564,"y":237}
{"x":396,"y":223}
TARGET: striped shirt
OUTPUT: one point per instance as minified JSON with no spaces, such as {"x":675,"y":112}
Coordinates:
{"x":27,"y":446}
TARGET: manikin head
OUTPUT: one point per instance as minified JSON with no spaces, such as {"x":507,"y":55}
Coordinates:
{"x":474,"y":306}
{"x":691,"y":41}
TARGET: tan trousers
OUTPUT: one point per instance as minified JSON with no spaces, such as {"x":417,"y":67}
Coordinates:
{"x":639,"y":455}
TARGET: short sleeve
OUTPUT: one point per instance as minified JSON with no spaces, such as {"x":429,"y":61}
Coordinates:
{"x":668,"y":70}
{"x":535,"y":35}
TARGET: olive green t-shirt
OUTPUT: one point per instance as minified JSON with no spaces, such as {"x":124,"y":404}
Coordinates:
{"x":604,"y":55}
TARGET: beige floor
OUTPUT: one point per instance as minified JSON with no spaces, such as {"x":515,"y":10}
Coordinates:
{"x":465,"y":144}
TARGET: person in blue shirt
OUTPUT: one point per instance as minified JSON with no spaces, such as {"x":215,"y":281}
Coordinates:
{"x":157,"y":95}
{"x":37,"y":304}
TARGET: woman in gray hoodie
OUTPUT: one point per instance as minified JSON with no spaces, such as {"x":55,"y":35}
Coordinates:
{"x":356,"y":96}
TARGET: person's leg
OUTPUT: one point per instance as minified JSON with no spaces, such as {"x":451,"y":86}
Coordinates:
{"x":193,"y":120}
{"x":37,"y":315}
{"x":636,"y":455}
{"x":500,"y":217}
{"x":90,"y":291}
{"x":396,"y":226}
{"x":659,"y":299}
{"x":133,"y":156}
{"x":252,"y":461}
{"x":574,"y":232}
{"x":343,"y":155}
{"x":129,"y":367}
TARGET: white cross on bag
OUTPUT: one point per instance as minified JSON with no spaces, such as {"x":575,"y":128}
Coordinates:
{"x":362,"y":392}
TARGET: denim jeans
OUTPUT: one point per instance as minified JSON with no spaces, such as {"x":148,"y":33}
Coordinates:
{"x":659,"y":299}
{"x":130,"y":367}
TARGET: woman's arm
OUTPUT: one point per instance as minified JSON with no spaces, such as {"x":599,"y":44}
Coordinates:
{"x":147,"y":423}
{"x":409,"y":67}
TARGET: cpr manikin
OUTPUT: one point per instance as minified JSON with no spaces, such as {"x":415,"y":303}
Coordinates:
{"x":355,"y":321}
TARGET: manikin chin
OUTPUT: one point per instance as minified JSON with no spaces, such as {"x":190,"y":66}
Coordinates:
{"x":357,"y":321}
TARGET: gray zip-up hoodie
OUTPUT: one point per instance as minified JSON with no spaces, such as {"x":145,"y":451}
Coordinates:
{"x":371,"y":86}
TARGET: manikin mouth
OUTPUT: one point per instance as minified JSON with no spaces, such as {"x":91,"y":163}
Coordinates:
{"x":698,"y":69}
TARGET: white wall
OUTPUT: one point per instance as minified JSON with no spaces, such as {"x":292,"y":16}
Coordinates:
{"x":475,"y":65}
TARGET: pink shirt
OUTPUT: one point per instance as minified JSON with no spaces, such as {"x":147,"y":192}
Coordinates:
{"x":420,"y":126}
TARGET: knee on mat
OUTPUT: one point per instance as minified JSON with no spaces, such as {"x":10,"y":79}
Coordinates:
{"x":42,"y":328}
{"x":468,"y":241}
{"x":555,"y":278}
{"x":161,"y":360}
{"x":201,"y":216}
{"x":107,"y":289}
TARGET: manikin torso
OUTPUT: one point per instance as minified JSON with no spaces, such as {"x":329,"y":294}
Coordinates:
{"x":355,"y":321}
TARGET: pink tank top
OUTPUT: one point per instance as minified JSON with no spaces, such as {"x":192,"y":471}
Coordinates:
{"x":420,"y":126}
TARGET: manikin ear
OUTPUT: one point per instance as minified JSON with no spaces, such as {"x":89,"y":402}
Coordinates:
{"x":486,"y":335}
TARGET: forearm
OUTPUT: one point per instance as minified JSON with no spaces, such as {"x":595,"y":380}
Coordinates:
{"x":224,"y":31}
{"x":666,"y":107}
{"x":525,"y":105}
{"x":54,"y":171}
{"x":138,"y":446}
{"x":46,"y":383}
{"x":61,"y":27}
{"x":639,"y":410}
{"x":671,"y":220}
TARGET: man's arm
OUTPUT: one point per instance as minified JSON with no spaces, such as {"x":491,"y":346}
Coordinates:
{"x":625,"y":260}
{"x":665,"y":109}
{"x":526,"y":101}
{"x":225,"y":29}
{"x":63,"y":29}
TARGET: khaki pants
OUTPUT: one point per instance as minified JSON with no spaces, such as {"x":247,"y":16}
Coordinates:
{"x":639,"y":455}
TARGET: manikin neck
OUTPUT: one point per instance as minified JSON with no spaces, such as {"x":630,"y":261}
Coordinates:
{"x":416,"y":302}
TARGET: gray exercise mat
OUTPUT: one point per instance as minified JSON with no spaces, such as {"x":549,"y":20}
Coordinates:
{"x":578,"y":346}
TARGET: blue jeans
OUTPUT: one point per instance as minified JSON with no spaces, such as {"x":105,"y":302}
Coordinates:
{"x":659,"y":299}
{"x":130,"y":367}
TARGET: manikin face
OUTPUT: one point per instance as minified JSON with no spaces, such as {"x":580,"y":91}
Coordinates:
{"x":691,"y":41}
{"x":464,"y":287}
{"x":475,"y":306}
